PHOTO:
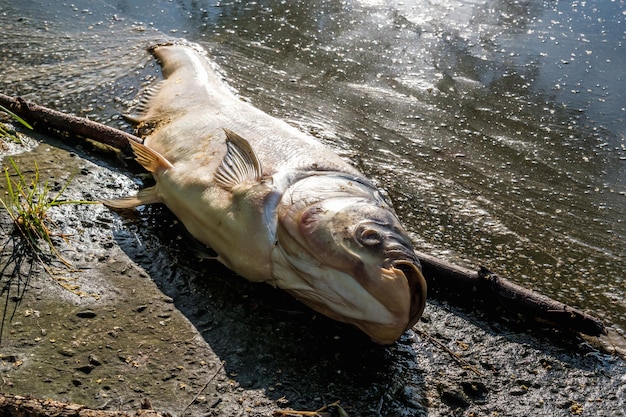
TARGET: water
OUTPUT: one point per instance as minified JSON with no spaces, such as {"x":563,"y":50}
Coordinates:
{"x":496,"y":127}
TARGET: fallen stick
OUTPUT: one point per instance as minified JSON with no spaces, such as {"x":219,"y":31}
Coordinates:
{"x":445,"y":280}
{"x":492,"y":293}
{"x":45,"y":118}
{"x":18,"y":406}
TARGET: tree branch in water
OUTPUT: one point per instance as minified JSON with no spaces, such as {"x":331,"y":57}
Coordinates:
{"x":485,"y":290}
{"x":44,"y":118}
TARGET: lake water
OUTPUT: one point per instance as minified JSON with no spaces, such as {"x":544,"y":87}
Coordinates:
{"x":498,"y":128}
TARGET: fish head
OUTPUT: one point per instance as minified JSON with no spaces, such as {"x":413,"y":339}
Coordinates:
{"x":343,"y":252}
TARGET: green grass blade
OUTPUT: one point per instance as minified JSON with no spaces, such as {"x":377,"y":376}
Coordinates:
{"x":16,"y":117}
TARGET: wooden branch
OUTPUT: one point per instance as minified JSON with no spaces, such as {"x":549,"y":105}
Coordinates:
{"x":18,"y":406}
{"x":44,"y":118}
{"x":465,"y":287}
{"x":489,"y":292}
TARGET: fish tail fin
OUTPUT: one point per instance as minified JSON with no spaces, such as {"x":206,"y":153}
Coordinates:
{"x":146,"y":196}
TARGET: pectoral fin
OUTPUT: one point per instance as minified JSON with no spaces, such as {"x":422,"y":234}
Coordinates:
{"x":146,"y":196}
{"x":240,"y":164}
{"x":149,"y":158}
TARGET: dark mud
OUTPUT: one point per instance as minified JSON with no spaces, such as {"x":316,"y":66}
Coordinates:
{"x":148,"y":320}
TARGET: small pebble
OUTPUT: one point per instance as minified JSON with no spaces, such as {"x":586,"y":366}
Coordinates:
{"x":93,"y":360}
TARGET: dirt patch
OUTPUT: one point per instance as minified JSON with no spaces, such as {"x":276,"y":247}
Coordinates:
{"x":161,"y":323}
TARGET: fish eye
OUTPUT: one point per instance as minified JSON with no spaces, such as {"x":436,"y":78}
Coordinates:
{"x":368,"y":236}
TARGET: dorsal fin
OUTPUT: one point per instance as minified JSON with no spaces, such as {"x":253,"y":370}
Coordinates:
{"x":139,"y":113}
{"x":149,"y":158}
{"x":240,"y":164}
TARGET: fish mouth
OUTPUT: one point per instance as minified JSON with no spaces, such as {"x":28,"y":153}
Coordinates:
{"x":417,"y":289}
{"x":383,"y":303}
{"x":404,"y":300}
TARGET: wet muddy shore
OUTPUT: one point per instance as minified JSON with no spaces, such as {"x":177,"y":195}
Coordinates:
{"x":148,"y":320}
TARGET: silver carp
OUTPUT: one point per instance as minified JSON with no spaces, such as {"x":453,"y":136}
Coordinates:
{"x":275,"y":204}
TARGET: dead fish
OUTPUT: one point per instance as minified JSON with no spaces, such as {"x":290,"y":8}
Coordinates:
{"x":275,"y":204}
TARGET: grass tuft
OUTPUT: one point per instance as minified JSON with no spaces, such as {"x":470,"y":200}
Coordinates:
{"x":27,"y":203}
